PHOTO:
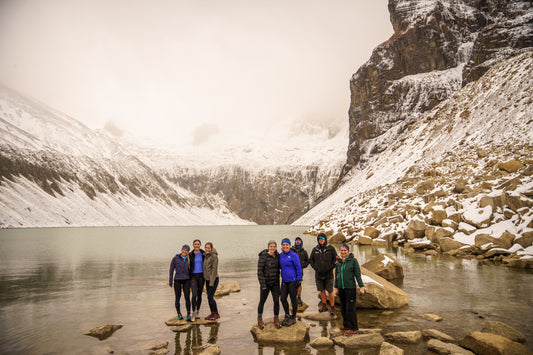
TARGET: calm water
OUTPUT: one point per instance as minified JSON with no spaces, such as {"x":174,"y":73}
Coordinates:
{"x":57,"y":283}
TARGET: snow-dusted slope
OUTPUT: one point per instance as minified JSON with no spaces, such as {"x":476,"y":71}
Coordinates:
{"x":54,"y":171}
{"x":494,"y":113}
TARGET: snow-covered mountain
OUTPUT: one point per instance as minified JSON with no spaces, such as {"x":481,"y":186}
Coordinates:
{"x":57,"y":172}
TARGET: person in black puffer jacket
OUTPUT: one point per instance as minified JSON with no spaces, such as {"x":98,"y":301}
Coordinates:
{"x":268,"y":271}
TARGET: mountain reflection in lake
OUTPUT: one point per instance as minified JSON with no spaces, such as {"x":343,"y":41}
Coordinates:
{"x":57,"y":283}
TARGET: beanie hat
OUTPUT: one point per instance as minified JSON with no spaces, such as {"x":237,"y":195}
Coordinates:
{"x":272,"y":242}
{"x":185,"y":246}
{"x":345,"y":246}
{"x":286,"y":240}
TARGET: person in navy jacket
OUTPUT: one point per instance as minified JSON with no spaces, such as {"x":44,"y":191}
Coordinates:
{"x":179,"y":276}
{"x":291,"y":278}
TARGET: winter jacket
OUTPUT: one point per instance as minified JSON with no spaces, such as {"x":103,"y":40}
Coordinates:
{"x":191,"y":256}
{"x":302,"y":254}
{"x":322,"y":259}
{"x":268,"y":269}
{"x":211,"y":265}
{"x":291,"y":270}
{"x":179,"y":269}
{"x":347,"y":272}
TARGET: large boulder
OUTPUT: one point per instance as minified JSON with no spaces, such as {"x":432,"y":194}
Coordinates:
{"x":386,"y":266}
{"x":479,"y":217}
{"x":371,"y":232}
{"x":447,"y":244}
{"x":296,"y":333}
{"x":511,"y":166}
{"x":322,"y":343}
{"x":525,"y":239}
{"x":416,"y":229}
{"x":504,"y":330}
{"x":487,"y":343}
{"x":380,"y":293}
{"x":337,"y":238}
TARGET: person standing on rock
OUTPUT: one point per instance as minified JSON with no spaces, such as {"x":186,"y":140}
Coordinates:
{"x":322,"y":260}
{"x":197,"y":276}
{"x":268,"y":275}
{"x":179,"y":276}
{"x":298,"y":248}
{"x":347,"y":271}
{"x":291,"y":279}
{"x":211,"y":279}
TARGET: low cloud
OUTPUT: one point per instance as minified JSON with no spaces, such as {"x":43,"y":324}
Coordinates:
{"x":202,"y":133}
{"x":112,"y":128}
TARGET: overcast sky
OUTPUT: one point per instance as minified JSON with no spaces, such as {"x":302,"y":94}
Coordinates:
{"x":180,"y":70}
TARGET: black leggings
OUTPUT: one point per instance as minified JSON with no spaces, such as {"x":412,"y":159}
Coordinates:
{"x":197,"y":287}
{"x":289,"y":289}
{"x":349,"y":314}
{"x":211,"y":289}
{"x":263,"y":297}
{"x":186,"y":285}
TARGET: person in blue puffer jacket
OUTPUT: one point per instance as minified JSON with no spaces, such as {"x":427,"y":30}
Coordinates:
{"x":291,"y":278}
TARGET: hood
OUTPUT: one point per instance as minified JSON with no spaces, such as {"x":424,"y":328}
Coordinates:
{"x":213,"y":251}
{"x":294,"y":247}
{"x":325,"y":242}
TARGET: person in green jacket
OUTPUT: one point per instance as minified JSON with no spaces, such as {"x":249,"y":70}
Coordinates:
{"x":347,"y":271}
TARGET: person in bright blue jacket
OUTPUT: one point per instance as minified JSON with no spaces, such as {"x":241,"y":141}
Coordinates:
{"x":291,"y":278}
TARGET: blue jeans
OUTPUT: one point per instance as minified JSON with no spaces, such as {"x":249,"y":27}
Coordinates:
{"x":211,"y":289}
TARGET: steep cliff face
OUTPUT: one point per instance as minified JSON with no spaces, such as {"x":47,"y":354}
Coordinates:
{"x":437,"y":47}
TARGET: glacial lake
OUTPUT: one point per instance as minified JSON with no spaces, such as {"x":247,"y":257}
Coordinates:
{"x":58,"y":283}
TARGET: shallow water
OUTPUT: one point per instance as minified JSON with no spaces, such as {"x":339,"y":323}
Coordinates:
{"x":57,"y":283}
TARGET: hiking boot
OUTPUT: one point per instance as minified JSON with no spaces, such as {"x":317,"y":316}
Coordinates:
{"x":277,"y":324}
{"x":351,"y":332}
{"x":332,"y":312}
{"x":343,"y":328}
{"x":300,"y":303}
{"x":180,"y":317}
{"x":324,"y":308}
{"x":212,"y":316}
{"x":291,"y":320}
{"x":284,"y":323}
{"x":260,"y":323}
{"x":188,"y":319}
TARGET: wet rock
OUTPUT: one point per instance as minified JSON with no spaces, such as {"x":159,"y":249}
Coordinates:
{"x":199,"y":321}
{"x":432,"y":317}
{"x":225,"y":288}
{"x":301,"y":308}
{"x":386,"y":266}
{"x":207,"y":349}
{"x":504,"y":330}
{"x":446,"y":348}
{"x":435,"y":334}
{"x":380,"y":293}
{"x":296,"y":333}
{"x":359,"y":341}
{"x":336,"y":332}
{"x":322,"y":342}
{"x":448,"y":244}
{"x":487,"y":343}
{"x":389,"y":349}
{"x":104,"y":331}
{"x":320,"y":316}
{"x":413,"y":337}
{"x":155,"y":345}
{"x":182,"y":328}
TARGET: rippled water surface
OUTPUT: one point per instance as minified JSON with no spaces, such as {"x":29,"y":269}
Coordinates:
{"x":57,"y":283}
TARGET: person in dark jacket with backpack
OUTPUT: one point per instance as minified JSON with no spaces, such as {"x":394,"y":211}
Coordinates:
{"x":322,"y":259}
{"x":298,"y":248}
{"x":268,"y":275}
{"x":291,"y":279}
{"x":179,"y":277}
{"x":347,"y":271}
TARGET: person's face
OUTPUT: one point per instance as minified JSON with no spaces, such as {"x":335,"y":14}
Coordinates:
{"x":208,"y":248}
{"x":197,"y":245}
{"x":272,"y":248}
{"x":285,"y":247}
{"x":184,"y":252}
{"x":344,"y":252}
{"x":298,"y":242}
{"x":321,"y":241}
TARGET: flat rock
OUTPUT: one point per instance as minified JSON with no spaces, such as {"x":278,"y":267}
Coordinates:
{"x":322,"y":342}
{"x":487,"y":343}
{"x":296,"y":333}
{"x":435,"y":334}
{"x":319,"y":316}
{"x":446,"y":348}
{"x":104,"y":331}
{"x":504,"y":330}
{"x":335,"y":332}
{"x":199,"y":321}
{"x":389,"y":349}
{"x":413,"y":337}
{"x":225,"y":288}
{"x":359,"y":341}
{"x":154,"y":345}
{"x":432,"y":317}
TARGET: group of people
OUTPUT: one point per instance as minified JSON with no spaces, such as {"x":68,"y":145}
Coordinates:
{"x":188,"y":272}
{"x":332,"y":271}
{"x":190,"y":269}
